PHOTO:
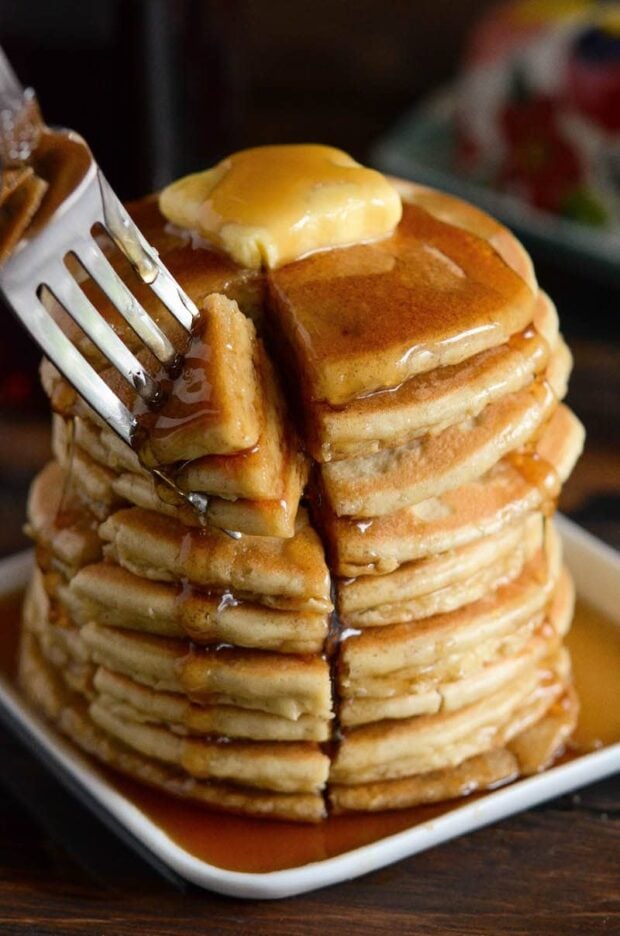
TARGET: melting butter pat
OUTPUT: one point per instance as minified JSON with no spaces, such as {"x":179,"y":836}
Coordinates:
{"x":273,"y":204}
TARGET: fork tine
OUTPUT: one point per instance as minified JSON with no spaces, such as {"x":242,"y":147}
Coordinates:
{"x":104,"y":274}
{"x":67,"y":292}
{"x":75,"y":368}
{"x":144,"y":258}
{"x":174,"y":298}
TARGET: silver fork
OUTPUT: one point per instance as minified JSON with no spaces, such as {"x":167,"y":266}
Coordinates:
{"x":83,"y":199}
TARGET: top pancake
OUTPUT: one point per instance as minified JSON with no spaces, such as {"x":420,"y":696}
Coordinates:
{"x":371,"y":316}
{"x":433,"y":400}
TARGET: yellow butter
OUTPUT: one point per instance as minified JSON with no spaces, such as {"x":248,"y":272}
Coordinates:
{"x":273,"y":204}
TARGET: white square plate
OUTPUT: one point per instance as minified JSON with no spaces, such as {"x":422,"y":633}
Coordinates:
{"x":596,"y":569}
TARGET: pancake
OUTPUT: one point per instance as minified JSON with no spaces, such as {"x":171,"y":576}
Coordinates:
{"x":256,"y":491}
{"x":391,"y":749}
{"x":108,"y":594}
{"x":385,"y":661}
{"x":62,"y":525}
{"x":507,"y":492}
{"x":70,"y":713}
{"x":129,"y":699}
{"x":289,"y":686}
{"x":211,"y":406}
{"x":286,"y":767}
{"x":433,"y":400}
{"x":528,"y":752}
{"x":61,"y":643}
{"x":199,"y":652}
{"x":436,"y":295}
{"x":535,"y":747}
{"x":256,"y":472}
{"x":405,"y":694}
{"x":462,"y":214}
{"x":374,"y":485}
{"x":266,"y":569}
{"x":104,"y":490}
{"x":266,"y":517}
{"x":440,"y":583}
{"x":92,"y":483}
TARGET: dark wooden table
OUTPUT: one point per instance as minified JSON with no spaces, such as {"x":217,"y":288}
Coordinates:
{"x":553,"y":870}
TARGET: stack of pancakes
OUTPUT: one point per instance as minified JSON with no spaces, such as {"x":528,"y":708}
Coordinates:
{"x":409,"y":390}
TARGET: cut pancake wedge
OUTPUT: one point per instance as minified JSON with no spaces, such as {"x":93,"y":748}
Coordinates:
{"x":108,"y":594}
{"x":283,"y":572}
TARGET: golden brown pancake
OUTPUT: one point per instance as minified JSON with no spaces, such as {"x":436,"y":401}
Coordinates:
{"x":528,"y":752}
{"x":259,"y":472}
{"x":212,"y":407}
{"x":92,"y":483}
{"x":285,"y":572}
{"x":108,"y":594}
{"x":137,"y":702}
{"x":433,"y":400}
{"x":391,"y":749}
{"x":285,"y":767}
{"x":440,"y":583}
{"x":373,"y":485}
{"x":369,"y":317}
{"x":462,"y":214}
{"x":285,"y":685}
{"x":61,"y":642}
{"x":479,"y":670}
{"x":512,"y":488}
{"x":384,"y":661}
{"x":254,"y":491}
{"x":425,"y":370}
{"x":98,"y":456}
{"x":70,"y":713}
{"x":255,"y":471}
{"x":60,"y":523}
{"x":255,"y":517}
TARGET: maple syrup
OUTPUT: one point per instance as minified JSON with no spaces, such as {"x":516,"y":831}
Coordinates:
{"x":257,"y":845}
{"x":371,"y":317}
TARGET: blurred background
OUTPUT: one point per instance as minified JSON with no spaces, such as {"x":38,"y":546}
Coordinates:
{"x":163,"y":87}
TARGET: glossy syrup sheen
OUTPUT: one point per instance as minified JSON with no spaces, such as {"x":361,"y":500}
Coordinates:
{"x":254,"y":845}
{"x":432,"y":293}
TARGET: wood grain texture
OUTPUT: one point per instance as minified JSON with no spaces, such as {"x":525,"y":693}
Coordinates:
{"x":550,"y":871}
